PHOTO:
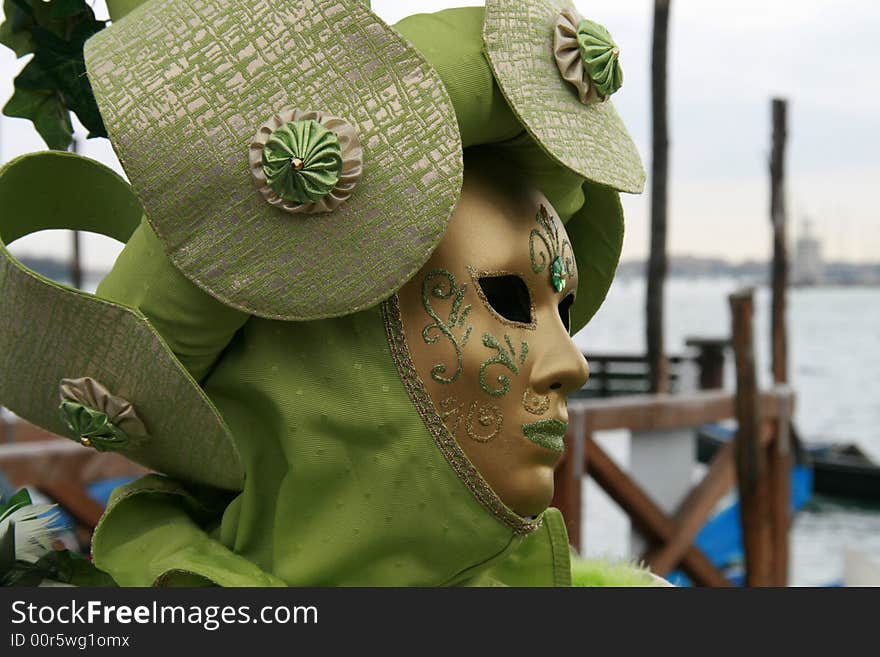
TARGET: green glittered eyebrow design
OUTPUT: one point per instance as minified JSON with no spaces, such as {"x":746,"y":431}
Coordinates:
{"x":440,"y":284}
{"x":547,"y":248}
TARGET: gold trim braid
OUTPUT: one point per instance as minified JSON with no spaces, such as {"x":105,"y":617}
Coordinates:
{"x":444,"y":439}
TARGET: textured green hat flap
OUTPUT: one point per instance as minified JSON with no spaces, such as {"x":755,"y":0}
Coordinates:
{"x":587,"y":137}
{"x":196,"y":97}
{"x":84,"y":367}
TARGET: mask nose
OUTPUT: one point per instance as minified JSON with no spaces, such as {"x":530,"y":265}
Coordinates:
{"x":559,"y":366}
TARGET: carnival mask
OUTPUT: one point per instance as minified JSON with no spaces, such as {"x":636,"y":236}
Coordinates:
{"x":486,"y":321}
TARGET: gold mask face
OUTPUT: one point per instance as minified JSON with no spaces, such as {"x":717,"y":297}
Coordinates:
{"x":486,"y":321}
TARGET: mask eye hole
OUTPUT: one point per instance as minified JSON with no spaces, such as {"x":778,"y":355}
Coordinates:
{"x":565,"y":311}
{"x":508,"y":295}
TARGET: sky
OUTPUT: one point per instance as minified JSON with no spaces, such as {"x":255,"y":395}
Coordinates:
{"x":726,"y":62}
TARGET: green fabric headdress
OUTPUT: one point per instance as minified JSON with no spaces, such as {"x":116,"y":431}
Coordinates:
{"x":50,"y":333}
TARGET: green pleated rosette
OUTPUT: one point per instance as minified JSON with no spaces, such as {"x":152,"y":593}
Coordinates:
{"x":302,"y":161}
{"x":600,"y":56}
{"x":91,"y":427}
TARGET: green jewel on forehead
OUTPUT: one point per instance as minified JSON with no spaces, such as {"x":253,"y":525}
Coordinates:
{"x":558,"y":274}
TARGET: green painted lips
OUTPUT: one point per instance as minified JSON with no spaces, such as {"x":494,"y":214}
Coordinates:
{"x":548,"y":434}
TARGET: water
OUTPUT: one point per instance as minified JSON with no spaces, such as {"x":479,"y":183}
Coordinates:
{"x":834,"y":358}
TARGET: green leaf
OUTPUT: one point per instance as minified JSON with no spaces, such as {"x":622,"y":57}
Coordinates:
{"x":7,"y":549}
{"x":62,"y":63}
{"x":15,"y":30}
{"x":54,"y":82}
{"x":18,"y":500}
{"x":73,"y":568}
{"x":60,"y":566}
{"x":62,"y":9}
{"x":22,"y":574}
{"x":47,"y":112}
{"x":35,"y":12}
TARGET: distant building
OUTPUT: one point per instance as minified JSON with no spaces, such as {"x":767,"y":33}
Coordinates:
{"x":808,"y":267}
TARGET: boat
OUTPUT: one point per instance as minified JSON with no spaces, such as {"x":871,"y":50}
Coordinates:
{"x":839,"y":470}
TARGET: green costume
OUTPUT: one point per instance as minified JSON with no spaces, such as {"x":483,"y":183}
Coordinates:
{"x":263,"y":352}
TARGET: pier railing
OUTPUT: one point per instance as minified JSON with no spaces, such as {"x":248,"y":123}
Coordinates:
{"x":613,"y":375}
{"x":765,"y":509}
{"x":627,"y":374}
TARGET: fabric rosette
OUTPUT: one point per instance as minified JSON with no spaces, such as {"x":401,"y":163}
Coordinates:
{"x":96,"y":417}
{"x":306,"y":161}
{"x":587,"y":57}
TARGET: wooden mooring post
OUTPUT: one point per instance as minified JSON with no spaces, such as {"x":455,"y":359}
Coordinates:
{"x":751,"y":461}
{"x":763,"y":474}
{"x":779,"y":270}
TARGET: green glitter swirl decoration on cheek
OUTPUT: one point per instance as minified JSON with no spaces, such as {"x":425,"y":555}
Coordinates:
{"x":482,"y":422}
{"x":440,"y":284}
{"x":505,"y":356}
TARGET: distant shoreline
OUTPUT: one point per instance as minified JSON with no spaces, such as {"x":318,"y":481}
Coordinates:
{"x":836,"y":274}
